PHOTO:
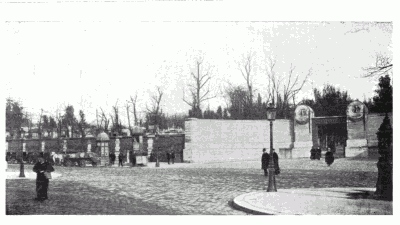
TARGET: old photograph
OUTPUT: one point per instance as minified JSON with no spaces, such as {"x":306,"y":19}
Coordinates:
{"x":117,"y":111}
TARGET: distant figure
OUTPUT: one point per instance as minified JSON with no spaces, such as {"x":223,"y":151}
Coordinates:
{"x":110,"y":158}
{"x":112,"y":155}
{"x":329,"y":157}
{"x":265,"y":162}
{"x":120,"y":158}
{"x":133,"y":158}
{"x":42,"y":180}
{"x":313,"y":153}
{"x":276,"y":163}
{"x":168,"y":157}
{"x":173,"y":157}
{"x":318,"y":153}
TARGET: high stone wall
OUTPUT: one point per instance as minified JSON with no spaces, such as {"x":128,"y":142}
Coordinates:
{"x":230,"y":140}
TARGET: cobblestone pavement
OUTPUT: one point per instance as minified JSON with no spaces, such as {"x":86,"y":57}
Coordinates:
{"x":179,"y":189}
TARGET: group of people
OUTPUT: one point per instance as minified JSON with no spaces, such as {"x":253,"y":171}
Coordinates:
{"x":316,"y":154}
{"x":171,"y":157}
{"x":112,"y":157}
{"x":265,"y":158}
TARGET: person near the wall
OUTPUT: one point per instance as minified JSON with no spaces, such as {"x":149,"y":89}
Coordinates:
{"x":120,"y":159}
{"x":318,"y":153}
{"x":329,"y":158}
{"x":173,"y":157}
{"x":265,"y":161}
{"x":168,"y":157}
{"x":276,"y":163}
{"x":42,"y":180}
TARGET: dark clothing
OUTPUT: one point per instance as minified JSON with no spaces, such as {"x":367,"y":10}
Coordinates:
{"x":168,"y":157}
{"x":276,"y":164}
{"x":120,"y":158}
{"x":265,"y":162}
{"x":313,"y":153}
{"x":329,"y":158}
{"x":173,"y":157}
{"x":318,"y":154}
{"x":112,"y":158}
{"x":42,"y":183}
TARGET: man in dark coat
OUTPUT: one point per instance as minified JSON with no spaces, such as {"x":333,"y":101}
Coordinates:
{"x":318,"y":153}
{"x":173,"y":157}
{"x":329,"y":157}
{"x":265,"y":162}
{"x":42,"y":182}
{"x":120,"y":159}
{"x":313,"y":153}
{"x":168,"y":157}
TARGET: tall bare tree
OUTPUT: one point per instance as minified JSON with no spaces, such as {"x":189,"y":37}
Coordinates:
{"x":245,"y":70}
{"x":134,"y":104}
{"x":104,"y":119}
{"x":115,"y":119}
{"x":199,"y":88}
{"x":292,"y":84}
{"x":383,"y":66}
{"x":154,"y":112}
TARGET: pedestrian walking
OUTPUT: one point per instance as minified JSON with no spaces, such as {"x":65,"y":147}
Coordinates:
{"x":265,"y":161}
{"x":276,"y":163}
{"x":173,"y":157}
{"x":313,"y":153}
{"x":112,"y":155}
{"x":168,"y":157}
{"x":329,"y":158}
{"x":318,"y":153}
{"x":43,"y":171}
{"x":120,"y":158}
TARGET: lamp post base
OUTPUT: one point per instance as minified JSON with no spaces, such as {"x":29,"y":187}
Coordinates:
{"x":271,"y":181}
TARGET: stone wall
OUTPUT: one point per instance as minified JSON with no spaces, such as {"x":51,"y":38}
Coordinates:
{"x":226,"y":140}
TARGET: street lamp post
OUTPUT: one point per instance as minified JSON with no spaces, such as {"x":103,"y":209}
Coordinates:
{"x":21,"y":165}
{"x":271,"y":114}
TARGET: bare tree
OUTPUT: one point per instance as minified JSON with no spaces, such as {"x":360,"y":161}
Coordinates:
{"x":292,"y":84}
{"x":105,"y":120}
{"x":199,"y":92}
{"x":245,"y":69}
{"x":383,"y":65}
{"x":115,"y":119}
{"x":127,"y":114}
{"x":155,"y":102}
{"x":40,"y":124}
{"x":134,"y":104}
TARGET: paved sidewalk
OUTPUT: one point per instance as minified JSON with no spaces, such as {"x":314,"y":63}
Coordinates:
{"x":314,"y":201}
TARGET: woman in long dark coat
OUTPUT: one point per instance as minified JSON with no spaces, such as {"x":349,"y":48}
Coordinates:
{"x":329,"y":157}
{"x":42,"y":182}
{"x":265,"y":162}
{"x":276,"y":163}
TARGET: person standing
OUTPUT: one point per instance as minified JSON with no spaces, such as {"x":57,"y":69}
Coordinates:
{"x":276,"y":163}
{"x":168,"y":157}
{"x":173,"y":157}
{"x":265,"y":161}
{"x":42,"y":169}
{"x":329,"y":158}
{"x":120,"y":158}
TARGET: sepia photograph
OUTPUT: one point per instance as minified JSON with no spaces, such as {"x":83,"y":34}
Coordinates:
{"x":182,"y":108}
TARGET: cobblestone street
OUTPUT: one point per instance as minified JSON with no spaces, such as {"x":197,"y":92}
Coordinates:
{"x":179,"y":189}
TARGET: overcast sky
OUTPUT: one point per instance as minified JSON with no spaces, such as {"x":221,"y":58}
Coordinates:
{"x":92,"y":64}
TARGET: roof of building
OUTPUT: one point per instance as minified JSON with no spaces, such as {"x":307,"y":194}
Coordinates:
{"x":103,"y":137}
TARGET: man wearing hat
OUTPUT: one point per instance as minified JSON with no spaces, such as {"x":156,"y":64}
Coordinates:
{"x":42,"y":168}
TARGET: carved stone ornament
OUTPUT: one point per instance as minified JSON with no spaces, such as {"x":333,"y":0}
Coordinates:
{"x":356,"y":111}
{"x":302,"y":114}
